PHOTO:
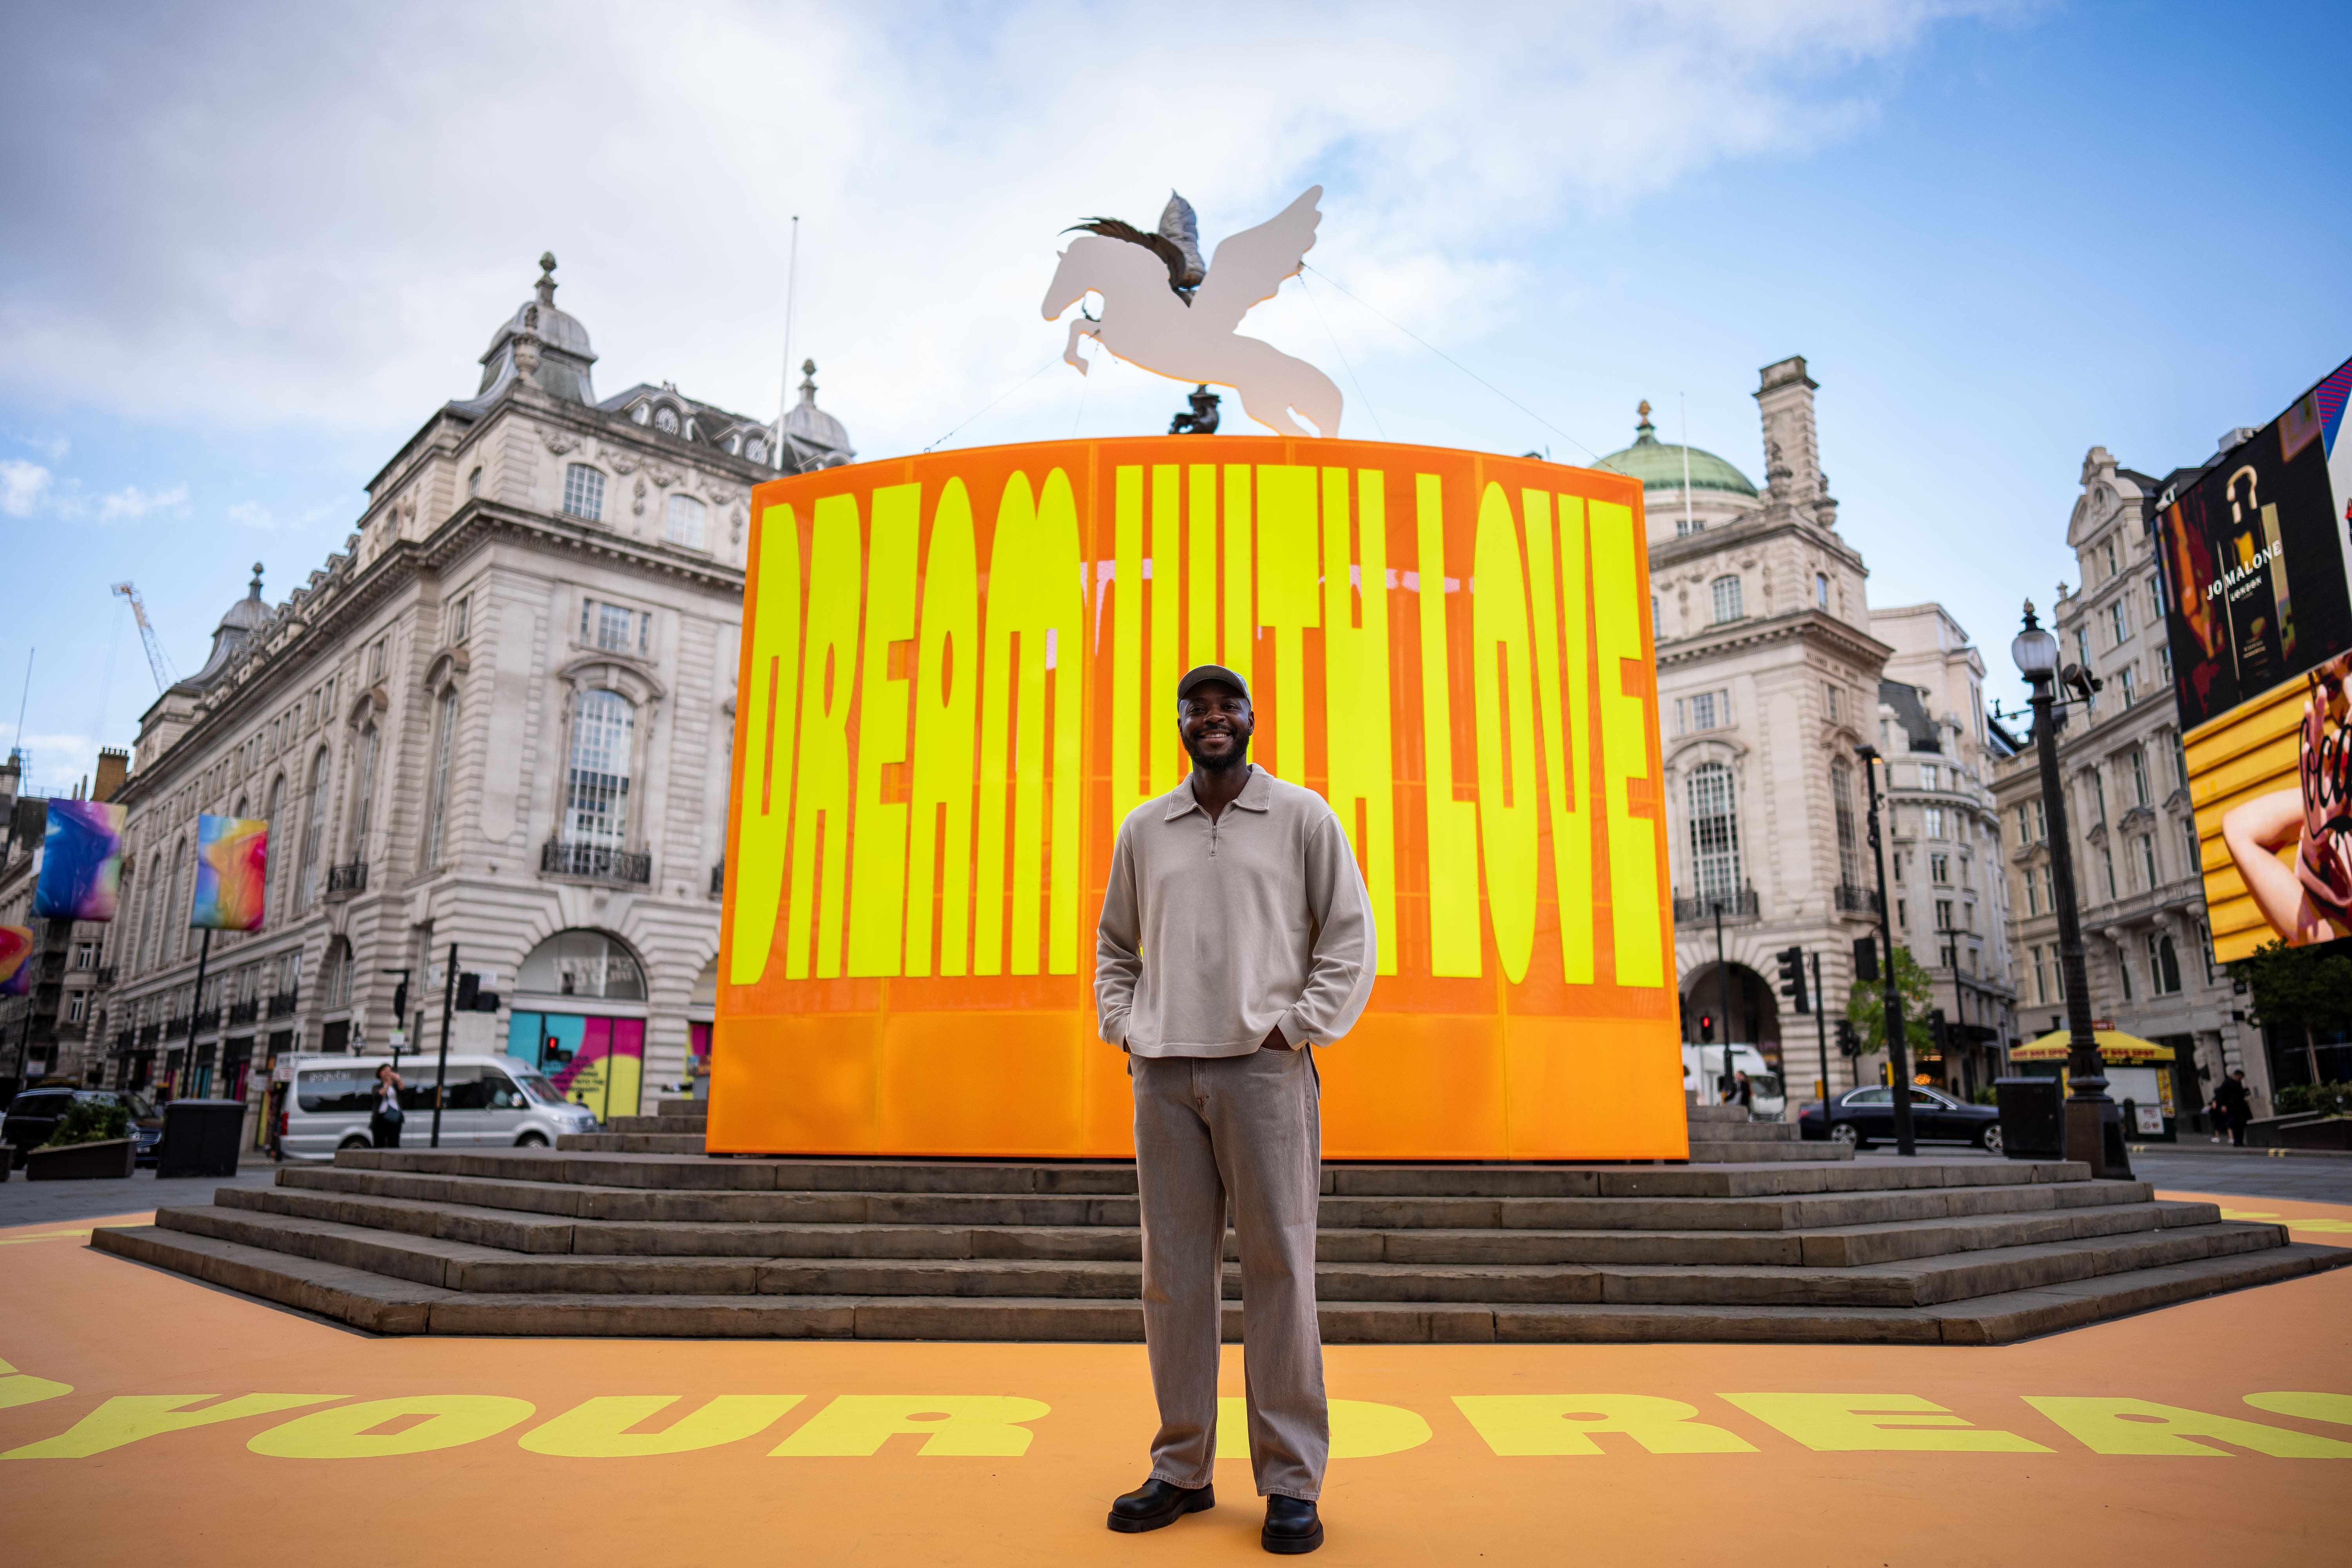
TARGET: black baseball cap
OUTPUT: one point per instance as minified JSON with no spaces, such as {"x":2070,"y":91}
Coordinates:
{"x":1202,"y":674}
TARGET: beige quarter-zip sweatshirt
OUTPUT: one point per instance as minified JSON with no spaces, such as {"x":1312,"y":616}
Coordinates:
{"x":1213,"y":933}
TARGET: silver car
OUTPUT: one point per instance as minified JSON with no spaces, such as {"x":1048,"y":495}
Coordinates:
{"x":489,"y":1102}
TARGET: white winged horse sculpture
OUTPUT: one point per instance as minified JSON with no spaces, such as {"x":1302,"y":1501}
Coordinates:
{"x":1151,"y":319}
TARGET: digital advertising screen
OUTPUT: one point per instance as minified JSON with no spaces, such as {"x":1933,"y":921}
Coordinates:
{"x":2258,"y":573}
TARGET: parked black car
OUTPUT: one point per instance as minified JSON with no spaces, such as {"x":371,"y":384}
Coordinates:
{"x":1865,"y":1116}
{"x":34,"y":1115}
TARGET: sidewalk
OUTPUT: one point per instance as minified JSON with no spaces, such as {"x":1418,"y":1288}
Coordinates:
{"x":883,"y":1453}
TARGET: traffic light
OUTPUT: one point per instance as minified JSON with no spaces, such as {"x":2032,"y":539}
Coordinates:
{"x":1706,"y":1028}
{"x":1866,"y":958}
{"x":1849,"y":1042}
{"x":1935,"y":1028}
{"x":1792,"y":978}
{"x":400,"y":1002}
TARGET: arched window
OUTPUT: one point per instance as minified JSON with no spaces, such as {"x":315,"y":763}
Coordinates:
{"x":585,"y":963}
{"x":314,"y":831}
{"x":181,"y":904}
{"x":685,"y":523}
{"x":445,"y":742}
{"x":1714,"y":831}
{"x":339,"y":972}
{"x":1841,"y":799}
{"x":148,"y":915}
{"x":583,"y":492}
{"x":363,"y":790}
{"x":596,"y":796}
{"x":278,"y":825}
{"x":1726,"y":599}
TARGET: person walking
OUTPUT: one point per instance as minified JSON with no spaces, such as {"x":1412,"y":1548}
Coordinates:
{"x":1236,"y":936}
{"x":2230,"y":1098}
{"x":384,"y":1124}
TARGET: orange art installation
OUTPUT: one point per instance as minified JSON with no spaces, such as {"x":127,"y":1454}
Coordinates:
{"x":957,"y":678}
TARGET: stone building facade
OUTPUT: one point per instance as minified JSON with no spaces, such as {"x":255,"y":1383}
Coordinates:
{"x":2147,"y":950}
{"x":1768,"y":678}
{"x":499,"y":718}
{"x":1943,"y":858}
{"x":57,"y":1029}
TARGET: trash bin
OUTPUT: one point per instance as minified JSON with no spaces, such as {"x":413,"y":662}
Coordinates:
{"x":2032,"y":1118}
{"x":201,"y":1138}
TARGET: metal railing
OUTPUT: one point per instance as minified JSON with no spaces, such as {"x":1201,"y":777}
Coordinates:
{"x":175,"y":1028}
{"x":719,"y":879}
{"x":342,"y":881}
{"x":1851,"y":899}
{"x":1701,"y":909}
{"x":283,"y":1004}
{"x":599,"y":862}
{"x":149,"y":1035}
{"x":106,"y":975}
{"x":244,"y":1012}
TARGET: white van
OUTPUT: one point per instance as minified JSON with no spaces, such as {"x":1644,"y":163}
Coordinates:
{"x":499,"y":1102}
{"x":1703,"y":1068}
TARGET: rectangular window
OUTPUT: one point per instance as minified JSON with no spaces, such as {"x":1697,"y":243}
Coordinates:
{"x":1821,"y":590}
{"x":1939,"y":869}
{"x":2107,"y":861}
{"x":2123,"y":974}
{"x":376,"y":658}
{"x":1702,"y":711}
{"x":615,"y":628}
{"x":1934,"y":820}
{"x":2164,"y":660}
{"x":1969,"y":912}
{"x":2179,"y":762}
{"x":2111,"y":557}
{"x":1944,"y":914}
{"x":85,"y":955}
{"x":1930,"y":776}
{"x":2148,"y":860}
{"x":2194,"y":844}
{"x":1903,"y":913}
{"x":2155,"y":600}
{"x":2041,"y":979}
{"x":683,"y":521}
{"x":2139,"y":776}
{"x":461,"y":618}
{"x":2118,"y":628}
{"x":2032,"y":895}
{"x":2129,"y":682}
{"x":583,"y":492}
{"x":2040,"y":822}
{"x":1728,"y":599}
{"x":76,"y":1001}
{"x":2082,"y":646}
{"x":2049,"y":888}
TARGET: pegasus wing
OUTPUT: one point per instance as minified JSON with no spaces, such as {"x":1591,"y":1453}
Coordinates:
{"x":1182,"y":229}
{"x":1250,"y":266}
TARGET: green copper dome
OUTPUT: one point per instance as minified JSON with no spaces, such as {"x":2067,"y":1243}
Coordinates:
{"x":1659,"y":464}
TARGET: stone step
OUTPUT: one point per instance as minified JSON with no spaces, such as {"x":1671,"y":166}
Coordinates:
{"x":671,"y":1142}
{"x":470,"y":1266}
{"x":836,"y":1207}
{"x":1716,"y":1114}
{"x":669,"y":1169}
{"x":682,"y":1107}
{"x":395,"y":1305}
{"x":1704,"y":1152}
{"x":664,"y":1123}
{"x":970,"y":1208}
{"x":1841,"y":1247}
{"x":1742,"y":1131}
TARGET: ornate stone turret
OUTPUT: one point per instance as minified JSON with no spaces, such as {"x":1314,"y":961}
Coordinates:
{"x":540,"y":344}
{"x":1792,"y":452}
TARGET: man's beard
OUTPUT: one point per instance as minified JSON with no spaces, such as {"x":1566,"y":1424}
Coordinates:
{"x":1240,"y":757}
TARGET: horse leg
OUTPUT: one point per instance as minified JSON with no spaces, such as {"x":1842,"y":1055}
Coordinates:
{"x":1272,"y":384}
{"x":1080,"y":326}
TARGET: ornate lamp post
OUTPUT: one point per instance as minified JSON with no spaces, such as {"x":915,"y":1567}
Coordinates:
{"x":1898,"y":1052}
{"x":2093,"y":1125}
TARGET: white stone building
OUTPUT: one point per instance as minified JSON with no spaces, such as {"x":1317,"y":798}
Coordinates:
{"x":500,"y":718}
{"x":2146,"y":948}
{"x":1769,"y":665}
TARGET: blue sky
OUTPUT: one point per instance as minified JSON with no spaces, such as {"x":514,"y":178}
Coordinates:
{"x":250,"y":249}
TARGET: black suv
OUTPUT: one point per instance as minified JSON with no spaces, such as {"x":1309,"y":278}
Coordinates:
{"x":34,"y":1115}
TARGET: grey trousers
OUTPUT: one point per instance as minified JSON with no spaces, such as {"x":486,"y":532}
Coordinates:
{"x":1249,"y":1129}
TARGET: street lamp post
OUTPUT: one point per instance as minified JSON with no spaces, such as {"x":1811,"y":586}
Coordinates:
{"x":1898,"y":1054}
{"x":2095,"y":1133}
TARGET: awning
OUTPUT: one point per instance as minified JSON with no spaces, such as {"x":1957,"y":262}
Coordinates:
{"x":2115,"y":1047}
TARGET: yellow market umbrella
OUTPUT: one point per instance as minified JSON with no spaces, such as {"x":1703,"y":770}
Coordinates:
{"x":2115,"y":1047}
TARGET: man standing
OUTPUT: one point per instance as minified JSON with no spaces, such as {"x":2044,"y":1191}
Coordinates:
{"x":2235,"y":1106}
{"x":1236,"y":936}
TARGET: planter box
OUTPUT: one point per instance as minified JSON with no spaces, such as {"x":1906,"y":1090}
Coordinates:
{"x":108,"y":1157}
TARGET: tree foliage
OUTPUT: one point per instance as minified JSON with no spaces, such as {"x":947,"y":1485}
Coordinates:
{"x":88,"y":1121}
{"x":2299,"y":987}
{"x":1867,"y":1005}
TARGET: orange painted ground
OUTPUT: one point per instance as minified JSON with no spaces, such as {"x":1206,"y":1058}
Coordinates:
{"x":2036,"y":1489}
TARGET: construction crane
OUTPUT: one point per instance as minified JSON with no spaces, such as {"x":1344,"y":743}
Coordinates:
{"x":165,"y":676}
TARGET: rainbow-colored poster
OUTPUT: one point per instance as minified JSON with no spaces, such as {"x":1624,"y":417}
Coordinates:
{"x":81,"y":861}
{"x":16,"y":960}
{"x":232,"y":869}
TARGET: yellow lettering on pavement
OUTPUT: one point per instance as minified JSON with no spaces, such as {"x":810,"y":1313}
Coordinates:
{"x":1361,"y":1429}
{"x":2143,"y":1427}
{"x":1890,"y":1423}
{"x":1515,"y":1425}
{"x":966,"y":1425}
{"x":599,"y":1429}
{"x":127,"y":1417}
{"x":349,"y":1431}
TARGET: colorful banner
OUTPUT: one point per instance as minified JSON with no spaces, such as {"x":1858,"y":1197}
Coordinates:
{"x":81,"y":861}
{"x":16,"y":960}
{"x":957,"y":677}
{"x":2258,"y":586}
{"x":232,"y":871}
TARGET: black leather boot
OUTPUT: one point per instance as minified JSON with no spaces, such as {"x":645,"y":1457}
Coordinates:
{"x":1157,"y":1504}
{"x":1291,"y":1526}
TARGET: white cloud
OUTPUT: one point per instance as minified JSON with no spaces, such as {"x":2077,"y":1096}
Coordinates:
{"x":22,"y":486}
{"x":131,"y":501}
{"x":223,"y":256}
